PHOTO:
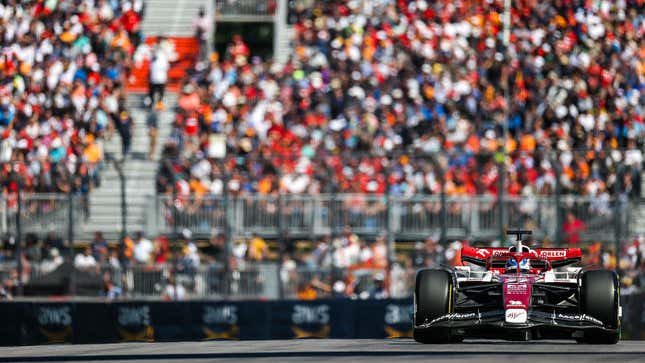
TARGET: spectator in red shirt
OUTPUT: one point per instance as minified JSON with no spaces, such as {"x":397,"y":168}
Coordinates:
{"x":572,"y":228}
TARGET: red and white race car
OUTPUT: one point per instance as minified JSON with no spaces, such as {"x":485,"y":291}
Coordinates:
{"x":517,"y":293}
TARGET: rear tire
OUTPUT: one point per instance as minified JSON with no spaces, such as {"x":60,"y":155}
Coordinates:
{"x":433,"y":298}
{"x":600,"y":298}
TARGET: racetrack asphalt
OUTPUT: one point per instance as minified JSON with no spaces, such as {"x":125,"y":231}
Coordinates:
{"x":395,"y":350}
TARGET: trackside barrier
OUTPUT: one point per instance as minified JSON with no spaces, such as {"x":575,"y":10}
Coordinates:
{"x":145,"y":321}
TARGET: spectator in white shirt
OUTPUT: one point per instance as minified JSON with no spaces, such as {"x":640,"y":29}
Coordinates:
{"x":159,"y":67}
{"x":143,"y":249}
{"x":52,"y":262}
{"x":85,"y":261}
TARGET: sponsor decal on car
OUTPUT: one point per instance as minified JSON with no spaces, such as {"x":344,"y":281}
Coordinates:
{"x":516,"y":288}
{"x":516,"y":316}
{"x":453,"y":316}
{"x":553,"y":253}
{"x":579,"y":317}
{"x":483,"y":252}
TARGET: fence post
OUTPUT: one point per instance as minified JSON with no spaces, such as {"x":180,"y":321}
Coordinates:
{"x":558,"y":201}
{"x":444,"y":208}
{"x":444,"y":203}
{"x":175,"y":245}
{"x":227,"y":230}
{"x":391,"y":248}
{"x":617,"y":208}
{"x":281,"y":244}
{"x":500,"y":158}
{"x":70,"y":234}
{"x":18,"y":235}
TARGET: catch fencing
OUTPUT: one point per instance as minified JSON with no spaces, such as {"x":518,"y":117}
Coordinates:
{"x":405,"y":218}
{"x":312,"y":216}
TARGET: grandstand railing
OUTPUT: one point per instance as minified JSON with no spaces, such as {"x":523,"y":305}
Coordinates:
{"x":369,"y":215}
{"x":245,"y":8}
{"x":406,"y":218}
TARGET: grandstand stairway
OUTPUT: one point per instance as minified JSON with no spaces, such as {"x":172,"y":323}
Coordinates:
{"x":172,"y":17}
{"x":105,"y":201}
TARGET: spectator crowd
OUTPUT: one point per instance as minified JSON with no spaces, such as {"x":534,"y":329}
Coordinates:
{"x":373,"y":86}
{"x":63,"y":69}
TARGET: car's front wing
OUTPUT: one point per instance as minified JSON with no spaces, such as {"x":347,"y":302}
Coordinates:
{"x":496,"y":319}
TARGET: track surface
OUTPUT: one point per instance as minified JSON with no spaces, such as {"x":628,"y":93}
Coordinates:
{"x":329,"y":351}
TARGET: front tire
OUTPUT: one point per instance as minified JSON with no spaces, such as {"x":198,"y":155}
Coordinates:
{"x":433,"y":298}
{"x":600,"y":298}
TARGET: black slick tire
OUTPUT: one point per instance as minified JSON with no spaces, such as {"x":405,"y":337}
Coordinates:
{"x":600,"y":298}
{"x":433,"y":298}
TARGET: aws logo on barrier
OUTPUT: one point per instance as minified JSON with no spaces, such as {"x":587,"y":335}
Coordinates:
{"x":220,"y":322}
{"x":310,"y":321}
{"x":398,"y":320}
{"x":55,"y":323}
{"x":134,"y":324}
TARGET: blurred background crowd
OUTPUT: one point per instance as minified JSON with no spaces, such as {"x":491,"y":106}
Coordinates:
{"x":406,"y":78}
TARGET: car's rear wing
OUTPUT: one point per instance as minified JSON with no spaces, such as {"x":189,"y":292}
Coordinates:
{"x":557,"y":257}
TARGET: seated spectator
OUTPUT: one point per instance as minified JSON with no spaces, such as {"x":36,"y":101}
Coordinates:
{"x":85,"y":261}
{"x":51,"y":262}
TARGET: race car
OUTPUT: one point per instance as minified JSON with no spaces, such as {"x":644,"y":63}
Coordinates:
{"x":517,"y":293}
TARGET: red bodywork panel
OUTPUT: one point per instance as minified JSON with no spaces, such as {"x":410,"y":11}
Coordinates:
{"x":517,"y":285}
{"x":554,"y":257}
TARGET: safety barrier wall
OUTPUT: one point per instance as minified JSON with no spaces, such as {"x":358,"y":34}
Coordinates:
{"x":103,"y":322}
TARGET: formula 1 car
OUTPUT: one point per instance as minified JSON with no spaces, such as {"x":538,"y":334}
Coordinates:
{"x":517,"y":293}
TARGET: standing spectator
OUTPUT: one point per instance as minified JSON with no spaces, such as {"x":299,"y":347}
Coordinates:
{"x":202,"y":27}
{"x":572,"y":228}
{"x":216,"y":248}
{"x":143,"y":249}
{"x":258,"y":248}
{"x":99,"y":246}
{"x":152,"y":123}
{"x":158,"y":77}
{"x":124,"y":126}
{"x":239,"y":51}
{"x":131,"y":20}
{"x":93,"y":156}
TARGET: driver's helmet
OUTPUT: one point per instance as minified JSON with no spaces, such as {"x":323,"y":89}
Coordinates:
{"x":511,"y":265}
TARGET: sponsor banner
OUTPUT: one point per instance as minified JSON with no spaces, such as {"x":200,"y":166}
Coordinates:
{"x":133,"y":322}
{"x":311,"y":319}
{"x":49,"y":323}
{"x":95,"y":322}
{"x":223,"y":320}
